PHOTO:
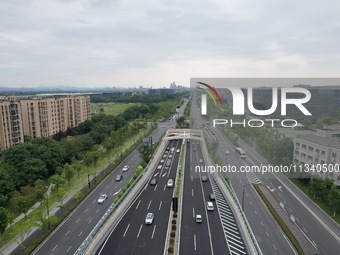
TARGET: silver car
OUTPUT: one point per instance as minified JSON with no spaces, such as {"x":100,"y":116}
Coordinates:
{"x":102,"y":198}
{"x":149,"y":218}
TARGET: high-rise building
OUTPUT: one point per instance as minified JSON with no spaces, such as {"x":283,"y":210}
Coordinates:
{"x":40,"y":117}
{"x":11,"y":132}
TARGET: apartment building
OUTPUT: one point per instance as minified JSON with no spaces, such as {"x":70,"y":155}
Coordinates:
{"x":322,"y":151}
{"x":11,"y":132}
{"x":40,"y":117}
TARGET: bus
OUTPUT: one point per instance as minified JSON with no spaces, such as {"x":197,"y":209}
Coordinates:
{"x":240,"y":152}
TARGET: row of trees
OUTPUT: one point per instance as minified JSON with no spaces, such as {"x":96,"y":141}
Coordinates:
{"x":322,"y":189}
{"x":148,"y":99}
{"x":27,"y":169}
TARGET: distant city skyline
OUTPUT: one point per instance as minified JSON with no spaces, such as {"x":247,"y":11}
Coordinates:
{"x":112,"y":43}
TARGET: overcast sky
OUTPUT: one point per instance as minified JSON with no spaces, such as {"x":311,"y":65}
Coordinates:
{"x":154,"y":42}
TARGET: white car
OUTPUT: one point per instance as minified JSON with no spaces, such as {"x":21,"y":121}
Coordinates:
{"x":102,"y":198}
{"x":170,"y":183}
{"x":210,"y":206}
{"x":149,"y":218}
{"x":178,"y":150}
{"x":125,"y":168}
{"x":198,"y":218}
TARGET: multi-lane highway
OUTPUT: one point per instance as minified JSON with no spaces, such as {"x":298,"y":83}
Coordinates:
{"x":322,"y":232}
{"x":268,"y":233}
{"x":70,"y":234}
{"x":132,"y":235}
{"x":218,"y":233}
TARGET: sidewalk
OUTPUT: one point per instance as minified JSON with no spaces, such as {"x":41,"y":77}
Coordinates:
{"x":10,"y":248}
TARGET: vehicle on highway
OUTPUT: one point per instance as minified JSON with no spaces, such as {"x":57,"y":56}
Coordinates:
{"x":102,"y":198}
{"x":170,"y":156}
{"x":162,"y":161}
{"x":240,"y":152}
{"x":193,"y":149}
{"x":227,"y":152}
{"x":172,"y":149}
{"x":178,"y":150}
{"x":170,"y":183}
{"x":210,"y":206}
{"x":149,"y":218}
{"x":212,"y":196}
{"x":204,"y":178}
{"x":201,"y":161}
{"x":198,"y":218}
{"x":153,"y":182}
{"x":119,"y":177}
{"x":163,"y":126}
{"x":125,"y":168}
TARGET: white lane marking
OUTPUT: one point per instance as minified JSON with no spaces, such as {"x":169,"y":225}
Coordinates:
{"x":69,"y":248}
{"x":78,"y":220}
{"x":97,"y":211}
{"x":149,"y":204}
{"x":80,"y":233}
{"x":164,"y":187}
{"x":164,"y":174}
{"x":54,"y":247}
{"x":305,"y":230}
{"x":267,"y":234}
{"x":116,"y":192}
{"x":93,"y":201}
{"x":195,"y":242}
{"x":138,"y":204}
{"x":250,"y":203}
{"x":160,"y":205}
{"x":89,"y":221}
{"x":86,"y":209}
{"x":193,"y":212}
{"x":274,"y":247}
{"x":155,"y":187}
{"x":126,"y":230}
{"x":153,"y":231}
{"x":107,"y":186}
{"x":192,"y":192}
{"x":261,"y":223}
{"x":139,"y":230}
{"x":67,"y":233}
{"x":255,"y":212}
{"x":155,"y":174}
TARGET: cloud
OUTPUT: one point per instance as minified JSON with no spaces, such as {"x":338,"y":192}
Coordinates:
{"x":151,"y":42}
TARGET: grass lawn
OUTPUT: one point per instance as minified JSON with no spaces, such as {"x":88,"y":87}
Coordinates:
{"x":110,"y":108}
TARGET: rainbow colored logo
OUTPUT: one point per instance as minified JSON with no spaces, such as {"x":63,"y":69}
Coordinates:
{"x":209,"y":93}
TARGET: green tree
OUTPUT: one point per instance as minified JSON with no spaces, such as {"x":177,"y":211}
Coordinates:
{"x":61,"y":192}
{"x":22,"y":205}
{"x":319,"y":124}
{"x":334,"y":199}
{"x":77,"y":166}
{"x":317,"y":187}
{"x":69,"y":173}
{"x":3,"y":220}
{"x":57,"y":180}
{"x":145,"y":152}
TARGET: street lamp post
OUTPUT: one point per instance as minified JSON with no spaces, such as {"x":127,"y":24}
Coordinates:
{"x":243,"y":186}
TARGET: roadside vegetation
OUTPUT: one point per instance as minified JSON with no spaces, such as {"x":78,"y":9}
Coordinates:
{"x":66,"y":163}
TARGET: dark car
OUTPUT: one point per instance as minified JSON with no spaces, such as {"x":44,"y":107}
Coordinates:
{"x":153,"y":182}
{"x":204,"y":178}
{"x":119,"y":177}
